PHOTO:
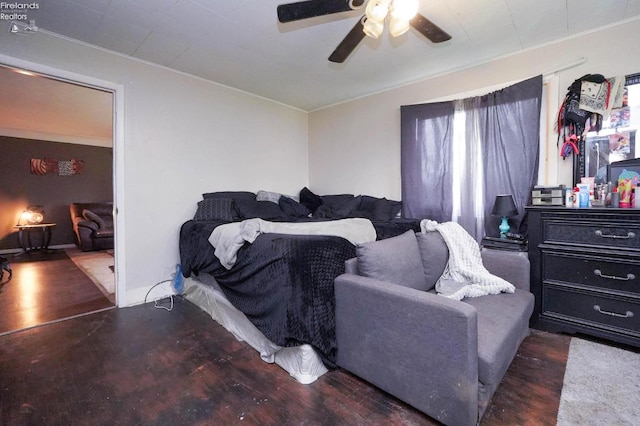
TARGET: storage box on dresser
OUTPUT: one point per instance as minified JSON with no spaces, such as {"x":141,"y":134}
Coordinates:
{"x":585,"y":271}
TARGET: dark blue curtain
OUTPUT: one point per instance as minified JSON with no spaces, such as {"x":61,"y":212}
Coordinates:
{"x":505,"y":127}
{"x":427,"y":136}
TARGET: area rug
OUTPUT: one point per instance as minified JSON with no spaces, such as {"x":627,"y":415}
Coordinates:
{"x":601,"y":385}
{"x":98,"y":265}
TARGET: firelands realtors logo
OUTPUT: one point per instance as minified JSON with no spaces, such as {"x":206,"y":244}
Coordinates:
{"x":14,"y":11}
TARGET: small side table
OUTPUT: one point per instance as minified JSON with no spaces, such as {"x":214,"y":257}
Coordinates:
{"x":24,"y":235}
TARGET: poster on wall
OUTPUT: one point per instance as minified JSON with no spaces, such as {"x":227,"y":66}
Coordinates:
{"x":616,"y":140}
{"x":44,"y":166}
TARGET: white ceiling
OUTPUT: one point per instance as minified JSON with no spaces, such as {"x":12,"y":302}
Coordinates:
{"x":44,"y":108}
{"x":241,"y":44}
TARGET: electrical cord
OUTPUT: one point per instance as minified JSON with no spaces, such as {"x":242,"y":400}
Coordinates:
{"x":156,"y":302}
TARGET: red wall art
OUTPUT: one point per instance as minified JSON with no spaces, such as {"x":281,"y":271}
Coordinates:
{"x":44,"y":166}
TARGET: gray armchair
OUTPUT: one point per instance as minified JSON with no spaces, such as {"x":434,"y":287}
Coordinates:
{"x":444,"y":357}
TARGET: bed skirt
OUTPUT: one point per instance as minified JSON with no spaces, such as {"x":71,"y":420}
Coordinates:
{"x":301,"y":362}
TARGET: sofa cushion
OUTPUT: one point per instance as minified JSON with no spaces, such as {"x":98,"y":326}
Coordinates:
{"x":395,"y":260}
{"x":434,"y":254}
{"x":89,"y":215}
{"x":215,"y":209}
{"x":503,"y":323}
{"x":103,"y":233}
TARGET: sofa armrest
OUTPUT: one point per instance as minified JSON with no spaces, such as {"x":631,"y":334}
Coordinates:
{"x":510,"y":265}
{"x":416,"y":345}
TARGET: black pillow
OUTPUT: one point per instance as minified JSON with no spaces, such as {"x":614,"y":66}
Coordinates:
{"x":292,"y":208}
{"x":234,"y":195}
{"x":336,"y":201}
{"x":348,"y":208}
{"x":368,"y":203}
{"x":387,"y":209}
{"x":259,"y":209}
{"x":310,"y":200}
{"x":338,"y":206}
{"x":215,"y":209}
{"x":89,"y":215}
{"x":378,"y":208}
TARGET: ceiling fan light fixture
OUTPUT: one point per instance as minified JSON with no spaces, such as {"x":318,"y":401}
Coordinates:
{"x":404,"y":10}
{"x":373,"y":28}
{"x":397,"y":27}
{"x":377,"y":10}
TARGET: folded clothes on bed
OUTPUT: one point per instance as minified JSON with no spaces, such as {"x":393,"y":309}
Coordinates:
{"x":227,"y":239}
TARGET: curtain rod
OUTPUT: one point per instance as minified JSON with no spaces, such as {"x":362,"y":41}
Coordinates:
{"x":566,"y":67}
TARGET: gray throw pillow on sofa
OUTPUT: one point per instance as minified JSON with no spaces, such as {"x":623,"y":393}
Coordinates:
{"x":434,"y":254}
{"x":395,"y":260}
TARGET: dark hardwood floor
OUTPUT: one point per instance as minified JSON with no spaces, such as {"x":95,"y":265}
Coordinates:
{"x":46,"y":287}
{"x":142,"y":365}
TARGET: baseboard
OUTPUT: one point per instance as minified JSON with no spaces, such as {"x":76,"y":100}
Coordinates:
{"x":19,"y":250}
{"x":10,"y":251}
{"x":63,"y":246}
{"x":137,"y":296}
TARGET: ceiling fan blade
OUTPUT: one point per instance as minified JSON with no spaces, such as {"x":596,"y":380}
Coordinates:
{"x":348,"y":44}
{"x":311,"y":8}
{"x":429,"y":29}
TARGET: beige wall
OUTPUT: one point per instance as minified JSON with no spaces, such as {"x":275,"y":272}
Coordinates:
{"x":355,"y":146}
{"x":182,"y":136}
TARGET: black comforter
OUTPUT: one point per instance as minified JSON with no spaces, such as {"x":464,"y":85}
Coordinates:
{"x":282,"y":283}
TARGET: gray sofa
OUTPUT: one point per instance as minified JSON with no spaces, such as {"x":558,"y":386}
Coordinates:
{"x":442,"y":356}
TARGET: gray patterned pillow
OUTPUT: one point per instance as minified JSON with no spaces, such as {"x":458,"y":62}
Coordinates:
{"x":274,"y":197}
{"x":215,"y":209}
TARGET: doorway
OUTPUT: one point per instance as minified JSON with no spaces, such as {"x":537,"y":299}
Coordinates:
{"x":45,"y":116}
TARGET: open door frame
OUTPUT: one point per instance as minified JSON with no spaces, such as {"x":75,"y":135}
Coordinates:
{"x":118,"y":153}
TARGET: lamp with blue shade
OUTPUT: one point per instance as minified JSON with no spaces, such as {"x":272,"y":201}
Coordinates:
{"x":504,"y":207}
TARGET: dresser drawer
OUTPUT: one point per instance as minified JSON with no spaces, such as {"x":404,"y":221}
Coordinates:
{"x":607,"y":273}
{"x":592,"y":309}
{"x":611,"y":234}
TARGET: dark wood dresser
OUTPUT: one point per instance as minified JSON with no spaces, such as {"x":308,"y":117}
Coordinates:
{"x":585,"y":271}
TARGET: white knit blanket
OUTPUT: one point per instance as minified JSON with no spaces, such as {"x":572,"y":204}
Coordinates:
{"x":464,"y":275}
{"x":228,"y":238}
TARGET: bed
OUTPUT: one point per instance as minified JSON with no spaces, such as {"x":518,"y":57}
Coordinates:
{"x":278,"y":295}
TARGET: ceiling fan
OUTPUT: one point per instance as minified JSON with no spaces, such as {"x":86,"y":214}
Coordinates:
{"x":401,"y":14}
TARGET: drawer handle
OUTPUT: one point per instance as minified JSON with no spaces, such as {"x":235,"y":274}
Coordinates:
{"x":629,"y":314}
{"x":623,"y":237}
{"x":599,"y":273}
